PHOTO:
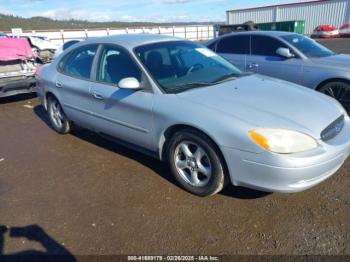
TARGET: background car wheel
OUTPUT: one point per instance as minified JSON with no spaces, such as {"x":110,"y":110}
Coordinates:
{"x":196,"y":164}
{"x":58,"y":119}
{"x":340,"y":91}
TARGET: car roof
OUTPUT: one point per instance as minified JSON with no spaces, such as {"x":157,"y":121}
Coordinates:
{"x":132,"y":40}
{"x":268,"y":33}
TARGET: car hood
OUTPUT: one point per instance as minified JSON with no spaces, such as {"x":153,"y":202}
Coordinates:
{"x":341,"y":60}
{"x":267,"y":102}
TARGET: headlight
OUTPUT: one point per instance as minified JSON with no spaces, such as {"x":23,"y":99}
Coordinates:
{"x":282,"y":141}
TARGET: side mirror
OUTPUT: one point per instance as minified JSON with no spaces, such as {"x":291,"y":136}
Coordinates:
{"x":284,"y":52}
{"x":129,"y":83}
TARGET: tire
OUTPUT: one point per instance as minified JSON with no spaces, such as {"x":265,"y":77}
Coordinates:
{"x":340,"y":90}
{"x":200,"y":170}
{"x":58,"y":119}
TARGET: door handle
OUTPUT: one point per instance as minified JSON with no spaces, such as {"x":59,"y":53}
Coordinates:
{"x":97,"y":95}
{"x":58,"y":84}
{"x":253,"y":65}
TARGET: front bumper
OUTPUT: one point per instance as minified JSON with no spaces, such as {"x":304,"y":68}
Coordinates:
{"x":14,"y":87}
{"x":288,"y":173}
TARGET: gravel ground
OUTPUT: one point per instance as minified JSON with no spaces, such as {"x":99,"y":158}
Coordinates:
{"x":85,"y":195}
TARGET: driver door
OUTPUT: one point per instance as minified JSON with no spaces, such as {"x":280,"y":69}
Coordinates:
{"x":125,"y":114}
{"x":235,"y":49}
{"x":264,"y":60}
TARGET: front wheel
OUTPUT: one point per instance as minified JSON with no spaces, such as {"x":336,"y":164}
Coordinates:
{"x":196,"y":164}
{"x":58,"y":119}
{"x":340,"y":91}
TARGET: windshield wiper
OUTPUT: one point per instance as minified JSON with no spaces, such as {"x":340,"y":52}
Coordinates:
{"x":188,"y":86}
{"x":224,"y":77}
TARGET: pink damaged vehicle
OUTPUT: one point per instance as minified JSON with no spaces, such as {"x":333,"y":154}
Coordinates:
{"x":17,"y":67}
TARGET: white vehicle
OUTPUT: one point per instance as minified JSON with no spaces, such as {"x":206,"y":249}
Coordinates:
{"x":44,"y":48}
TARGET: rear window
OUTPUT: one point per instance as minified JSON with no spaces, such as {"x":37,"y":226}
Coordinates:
{"x":234,"y":44}
{"x":79,"y":62}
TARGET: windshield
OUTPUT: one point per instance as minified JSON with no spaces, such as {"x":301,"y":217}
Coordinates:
{"x":181,"y":65}
{"x":308,"y":46}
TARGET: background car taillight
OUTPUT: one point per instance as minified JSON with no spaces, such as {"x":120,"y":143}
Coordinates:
{"x":38,"y":70}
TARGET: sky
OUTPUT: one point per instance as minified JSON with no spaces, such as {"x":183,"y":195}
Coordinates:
{"x":131,"y":10}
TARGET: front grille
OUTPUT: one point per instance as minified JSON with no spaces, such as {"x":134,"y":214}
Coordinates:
{"x":333,"y":129}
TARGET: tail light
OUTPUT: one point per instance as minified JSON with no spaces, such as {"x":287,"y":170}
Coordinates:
{"x":38,"y":70}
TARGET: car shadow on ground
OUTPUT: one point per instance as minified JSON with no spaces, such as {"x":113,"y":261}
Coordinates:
{"x":54,"y":251}
{"x":16,"y":98}
{"x":161,"y":168}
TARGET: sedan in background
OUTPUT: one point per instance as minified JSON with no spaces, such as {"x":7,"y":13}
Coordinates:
{"x":180,"y":102}
{"x":291,"y":57}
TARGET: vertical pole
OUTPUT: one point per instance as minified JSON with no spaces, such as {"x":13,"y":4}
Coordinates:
{"x":197,"y":32}
{"x":62,"y":36}
{"x":185,"y":32}
{"x":276,"y":14}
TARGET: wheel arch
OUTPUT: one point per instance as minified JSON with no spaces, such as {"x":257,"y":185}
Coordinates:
{"x":330,"y":80}
{"x":169,"y":133}
{"x":47,"y":96}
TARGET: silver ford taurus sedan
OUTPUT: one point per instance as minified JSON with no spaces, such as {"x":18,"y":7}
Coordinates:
{"x":291,"y":57}
{"x":178,"y":101}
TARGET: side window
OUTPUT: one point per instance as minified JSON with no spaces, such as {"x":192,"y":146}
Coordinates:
{"x":116,"y":64}
{"x":79,"y":62}
{"x":265,"y":46}
{"x":238,"y":44}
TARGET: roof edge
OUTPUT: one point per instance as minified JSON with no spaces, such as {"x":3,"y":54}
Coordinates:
{"x":287,"y":4}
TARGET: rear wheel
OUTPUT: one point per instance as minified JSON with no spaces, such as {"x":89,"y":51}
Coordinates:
{"x":58,"y":119}
{"x":195,"y":163}
{"x":339,"y":90}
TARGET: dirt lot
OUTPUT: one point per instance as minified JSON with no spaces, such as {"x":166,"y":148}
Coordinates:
{"x":87,"y":195}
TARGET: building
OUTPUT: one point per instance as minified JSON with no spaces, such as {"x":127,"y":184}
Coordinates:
{"x":314,"y":13}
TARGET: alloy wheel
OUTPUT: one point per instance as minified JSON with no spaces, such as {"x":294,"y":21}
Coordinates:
{"x":57,"y":114}
{"x":193,"y":164}
{"x":341,"y":93}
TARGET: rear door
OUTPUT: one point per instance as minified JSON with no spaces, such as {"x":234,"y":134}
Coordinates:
{"x":235,"y":48}
{"x":73,"y":83}
{"x":264,"y":60}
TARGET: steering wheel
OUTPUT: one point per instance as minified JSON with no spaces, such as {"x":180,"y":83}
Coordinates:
{"x":195,"y":67}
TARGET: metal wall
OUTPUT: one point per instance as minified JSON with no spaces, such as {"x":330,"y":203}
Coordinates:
{"x":334,"y":12}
